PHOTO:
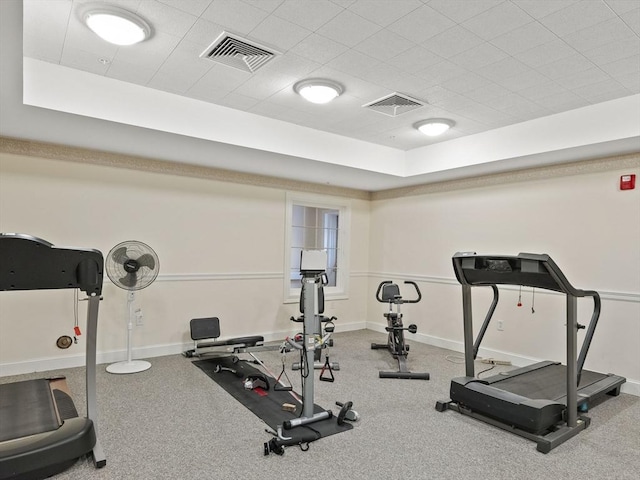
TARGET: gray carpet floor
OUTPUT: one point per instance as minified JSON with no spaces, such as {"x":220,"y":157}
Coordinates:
{"x":173,"y":422}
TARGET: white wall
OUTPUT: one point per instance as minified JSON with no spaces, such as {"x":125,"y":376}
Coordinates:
{"x":589,"y":227}
{"x":221,"y":250}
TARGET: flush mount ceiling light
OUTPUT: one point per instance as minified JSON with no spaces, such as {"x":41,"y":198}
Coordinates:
{"x":116,"y":25}
{"x":318,"y":90}
{"x":434,"y":126}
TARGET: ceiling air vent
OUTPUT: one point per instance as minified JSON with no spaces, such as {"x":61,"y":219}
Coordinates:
{"x":239,"y":53}
{"x":394,"y":104}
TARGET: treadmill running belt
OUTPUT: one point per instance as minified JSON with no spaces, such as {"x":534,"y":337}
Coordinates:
{"x":548,"y":382}
{"x":26,"y":408}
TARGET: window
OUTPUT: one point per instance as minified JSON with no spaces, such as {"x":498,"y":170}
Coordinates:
{"x":317,"y":223}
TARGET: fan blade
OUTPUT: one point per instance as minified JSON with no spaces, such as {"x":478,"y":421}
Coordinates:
{"x":129,"y":280}
{"x":147,"y":260}
{"x":120,"y":255}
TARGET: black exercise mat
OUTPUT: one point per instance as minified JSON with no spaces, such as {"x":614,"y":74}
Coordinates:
{"x":26,"y":408}
{"x":267,"y":407}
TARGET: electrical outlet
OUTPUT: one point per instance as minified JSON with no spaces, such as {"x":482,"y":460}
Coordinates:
{"x":139,"y":317}
{"x":500,"y":325}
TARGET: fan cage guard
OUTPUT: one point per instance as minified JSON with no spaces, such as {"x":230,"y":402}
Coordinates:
{"x":134,"y":250}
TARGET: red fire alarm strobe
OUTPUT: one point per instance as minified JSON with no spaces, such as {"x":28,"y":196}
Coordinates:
{"x":628,"y":182}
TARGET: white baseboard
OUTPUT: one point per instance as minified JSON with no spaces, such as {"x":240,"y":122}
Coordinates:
{"x":631,"y":387}
{"x":151,"y":351}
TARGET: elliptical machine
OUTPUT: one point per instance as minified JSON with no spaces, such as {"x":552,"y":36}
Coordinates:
{"x":389,"y":292}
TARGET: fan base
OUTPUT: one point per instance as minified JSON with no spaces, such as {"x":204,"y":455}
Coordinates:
{"x":133,"y":366}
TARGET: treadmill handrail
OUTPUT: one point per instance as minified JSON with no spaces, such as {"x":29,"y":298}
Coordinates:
{"x":505,"y":269}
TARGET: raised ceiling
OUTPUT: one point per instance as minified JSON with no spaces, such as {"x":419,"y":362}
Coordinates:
{"x":526,"y":82}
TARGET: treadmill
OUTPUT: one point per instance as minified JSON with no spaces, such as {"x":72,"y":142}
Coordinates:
{"x":41,"y":433}
{"x":542,"y":401}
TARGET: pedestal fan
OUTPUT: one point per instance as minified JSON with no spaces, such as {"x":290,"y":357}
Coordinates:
{"x":131,"y":265}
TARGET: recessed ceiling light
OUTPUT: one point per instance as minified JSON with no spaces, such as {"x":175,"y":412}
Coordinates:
{"x":434,"y":126}
{"x":116,"y":25}
{"x":318,"y":90}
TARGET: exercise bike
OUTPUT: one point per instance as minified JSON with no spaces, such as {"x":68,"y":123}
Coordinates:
{"x":389,"y":292}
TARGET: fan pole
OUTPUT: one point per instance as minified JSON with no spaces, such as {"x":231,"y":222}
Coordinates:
{"x":129,"y":366}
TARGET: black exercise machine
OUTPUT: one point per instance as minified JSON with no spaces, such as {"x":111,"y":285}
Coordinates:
{"x":389,"y":292}
{"x":205,"y":333}
{"x":41,"y":433}
{"x":541,"y":401}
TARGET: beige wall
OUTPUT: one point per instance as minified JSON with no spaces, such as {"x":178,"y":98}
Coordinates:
{"x":221,"y":251}
{"x":220,"y":244}
{"x":575,"y":214}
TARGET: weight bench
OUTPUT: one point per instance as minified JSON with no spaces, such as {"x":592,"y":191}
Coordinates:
{"x":206,"y":331}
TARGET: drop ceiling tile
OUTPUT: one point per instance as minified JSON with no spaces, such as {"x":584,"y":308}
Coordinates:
{"x":523,"y":38}
{"x":585,"y":77}
{"x":204,"y":33}
{"x":266,"y":5}
{"x":544,"y":54}
{"x":439,"y":73}
{"x":414,"y":59}
{"x":180,"y":72}
{"x":567,"y":66}
{"x":421,"y":24}
{"x":467,"y":82}
{"x":522,"y":81}
{"x":452,"y":41}
{"x":219,"y":77}
{"x":308,"y":14}
{"x":353,"y":62}
{"x":614,"y":51}
{"x":541,"y":8}
{"x":461,"y":10}
{"x":478,"y":57}
{"x":498,"y":20}
{"x":174,"y":21}
{"x":348,"y":28}
{"x":603,"y":33}
{"x":127,"y":72}
{"x":562,"y":102}
{"x":149,"y":54}
{"x":82,"y":60}
{"x":631,"y":81}
{"x":383,"y":45}
{"x":622,"y":6}
{"x":236,"y":20}
{"x":602,"y":91}
{"x":503,"y":68}
{"x":488,"y":92}
{"x":543,"y":90}
{"x":292,"y":65}
{"x":384,"y":12}
{"x":280,"y":34}
{"x":577,"y":16}
{"x":318,"y":48}
{"x":194,"y":7}
{"x":632,"y":19}
{"x":623,"y":66}
{"x":45,"y":38}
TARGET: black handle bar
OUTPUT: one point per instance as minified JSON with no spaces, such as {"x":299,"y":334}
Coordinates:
{"x":399,"y":299}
